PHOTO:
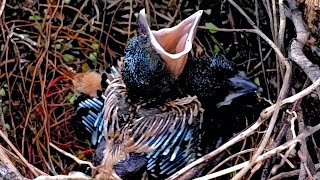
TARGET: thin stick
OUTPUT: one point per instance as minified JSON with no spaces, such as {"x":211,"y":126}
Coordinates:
{"x":289,"y":174}
{"x":31,"y":167}
{"x":79,"y":161}
{"x":266,"y":113}
{"x":3,"y":4}
{"x":73,"y":176}
{"x":266,"y":155}
{"x":282,"y":94}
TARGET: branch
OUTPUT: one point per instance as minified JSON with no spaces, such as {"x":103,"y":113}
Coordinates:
{"x":265,"y":114}
{"x":7,"y":168}
{"x":309,"y":131}
{"x":282,"y":95}
{"x":35,"y":171}
{"x":296,"y":48}
{"x":71,"y":176}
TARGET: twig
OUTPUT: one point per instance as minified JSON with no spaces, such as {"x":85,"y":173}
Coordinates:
{"x":260,"y":52}
{"x":315,"y":147}
{"x":289,"y":174}
{"x":275,"y":21}
{"x":304,"y":167}
{"x":276,"y":143}
{"x":266,"y":155}
{"x":284,"y":129}
{"x":287,"y":160}
{"x":130,"y":19}
{"x":282,"y":94}
{"x":230,"y":157}
{"x":289,"y":151}
{"x":7,"y":168}
{"x":175,"y":14}
{"x":282,"y":26}
{"x":84,"y":4}
{"x":28,"y":40}
{"x":3,"y":4}
{"x":71,"y":176}
{"x":307,"y":165}
{"x":147,"y":5}
{"x":266,"y":4}
{"x":31,"y":167}
{"x":266,"y":113}
{"x":297,"y":44}
{"x":112,"y":19}
{"x":257,"y":31}
{"x":79,"y":161}
{"x":2,"y":122}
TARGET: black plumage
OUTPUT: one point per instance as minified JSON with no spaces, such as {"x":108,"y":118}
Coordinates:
{"x":214,"y":80}
{"x":154,"y":59}
{"x":144,"y":125}
{"x":144,"y":73}
{"x":140,"y":116}
{"x":207,"y":77}
{"x":159,"y":139}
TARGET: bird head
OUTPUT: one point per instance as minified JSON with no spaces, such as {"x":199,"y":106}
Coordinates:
{"x":215,"y":80}
{"x":154,"y":59}
{"x":239,"y":85}
{"x":172,"y":44}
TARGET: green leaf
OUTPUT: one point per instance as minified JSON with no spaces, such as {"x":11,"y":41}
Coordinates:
{"x":212,"y":28}
{"x":67,"y":1}
{"x":7,"y":126}
{"x":72,"y":99}
{"x":257,"y":81}
{"x":60,"y":40}
{"x":85,"y":67}
{"x":4,"y":109}
{"x":207,"y":11}
{"x":2,"y":92}
{"x":93,"y":56}
{"x":67,"y":46}
{"x":95,"y":46}
{"x":57,"y":46}
{"x":68,"y":57}
{"x":34,"y":18}
{"x":216,"y":49}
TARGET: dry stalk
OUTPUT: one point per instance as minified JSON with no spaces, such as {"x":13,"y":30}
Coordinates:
{"x":265,"y":114}
{"x":296,"y":48}
{"x":309,"y":131}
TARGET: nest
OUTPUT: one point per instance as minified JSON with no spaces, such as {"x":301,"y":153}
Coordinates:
{"x":45,"y":45}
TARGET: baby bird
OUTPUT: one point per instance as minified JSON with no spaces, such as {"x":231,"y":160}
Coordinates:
{"x":155,"y":59}
{"x":150,"y":118}
{"x":141,"y":121}
{"x":215,"y":81}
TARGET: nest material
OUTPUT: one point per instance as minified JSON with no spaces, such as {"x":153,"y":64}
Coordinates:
{"x":40,"y":43}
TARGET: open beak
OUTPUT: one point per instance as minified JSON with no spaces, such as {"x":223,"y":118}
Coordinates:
{"x":241,"y":85}
{"x":173,"y":44}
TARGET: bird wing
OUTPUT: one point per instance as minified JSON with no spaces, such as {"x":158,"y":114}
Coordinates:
{"x":167,"y":135}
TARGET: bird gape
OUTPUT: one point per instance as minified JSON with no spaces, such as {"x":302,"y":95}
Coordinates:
{"x":150,"y":118}
{"x":155,"y":59}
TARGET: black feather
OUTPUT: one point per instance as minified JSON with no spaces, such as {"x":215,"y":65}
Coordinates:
{"x":144,"y":72}
{"x":207,"y":78}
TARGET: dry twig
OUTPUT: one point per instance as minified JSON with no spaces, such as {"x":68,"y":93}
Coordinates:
{"x":309,"y":131}
{"x":265,"y":114}
{"x":297,"y":44}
